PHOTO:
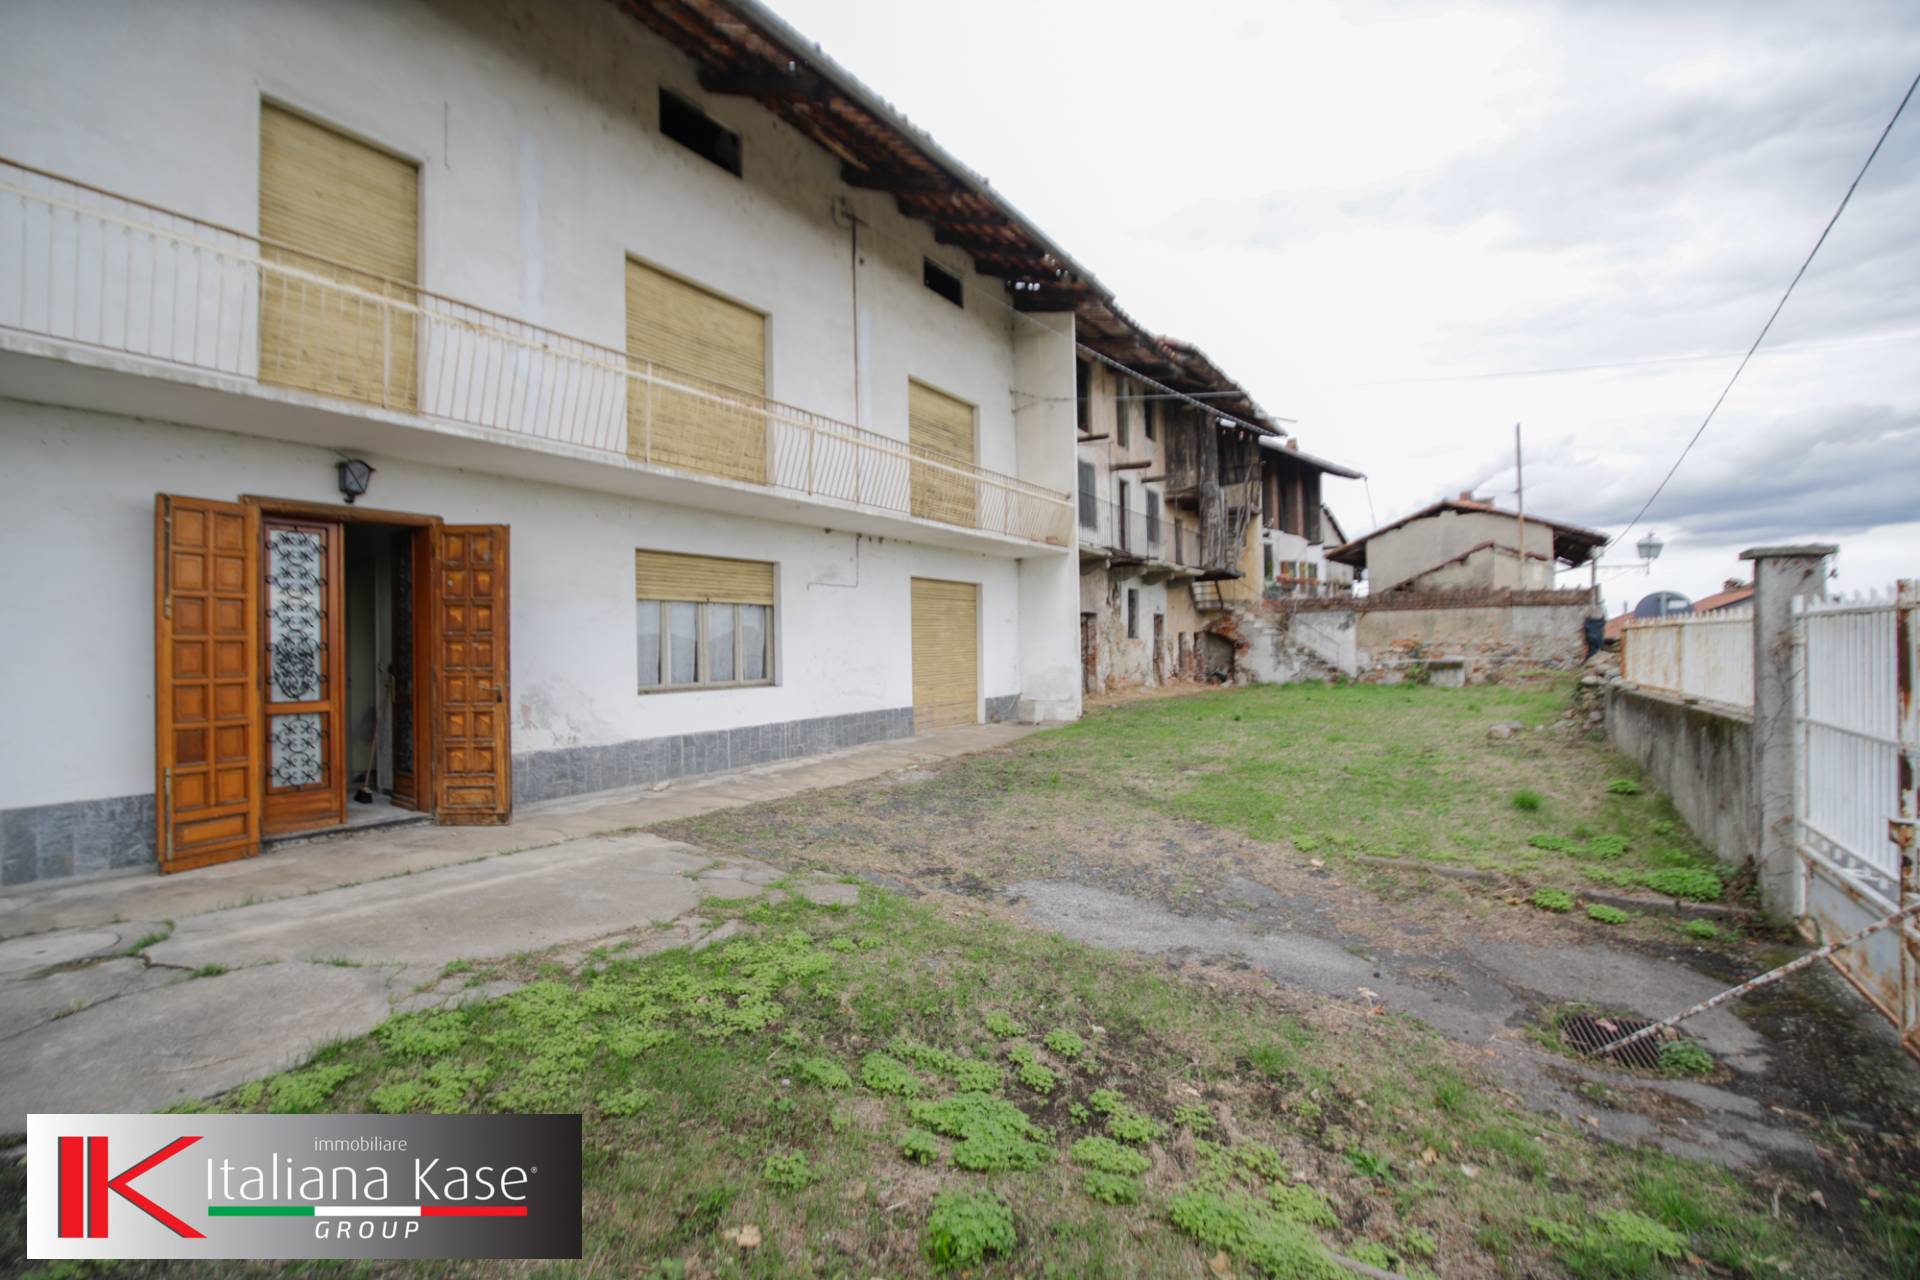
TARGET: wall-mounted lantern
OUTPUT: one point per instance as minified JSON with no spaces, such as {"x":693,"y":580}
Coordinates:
{"x":1650,"y":548}
{"x":355,"y":475}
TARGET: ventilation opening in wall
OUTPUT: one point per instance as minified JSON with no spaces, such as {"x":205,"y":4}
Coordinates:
{"x":940,"y":280}
{"x":698,"y":132}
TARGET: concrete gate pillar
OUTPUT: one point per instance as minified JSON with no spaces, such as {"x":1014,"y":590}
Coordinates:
{"x":1779,"y":575}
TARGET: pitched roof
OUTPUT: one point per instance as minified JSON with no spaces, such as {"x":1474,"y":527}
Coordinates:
{"x":1723,"y":599}
{"x":1571,"y":543}
{"x":1288,"y":450}
{"x":744,"y":48}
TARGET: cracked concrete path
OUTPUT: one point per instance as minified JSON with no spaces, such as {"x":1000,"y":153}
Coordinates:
{"x":266,"y":960}
{"x":1481,"y":996}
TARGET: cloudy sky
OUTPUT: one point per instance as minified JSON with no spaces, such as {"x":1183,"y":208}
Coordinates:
{"x":1411,"y":225}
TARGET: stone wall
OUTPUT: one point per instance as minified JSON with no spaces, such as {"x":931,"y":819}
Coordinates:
{"x":1476,"y":634}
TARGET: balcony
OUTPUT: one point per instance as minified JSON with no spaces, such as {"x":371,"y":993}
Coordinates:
{"x":1130,"y":535}
{"x":89,"y":275}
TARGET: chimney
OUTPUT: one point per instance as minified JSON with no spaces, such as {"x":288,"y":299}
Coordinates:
{"x":1293,"y":445}
{"x":1466,"y":495}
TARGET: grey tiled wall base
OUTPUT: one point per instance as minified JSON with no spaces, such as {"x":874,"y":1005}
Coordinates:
{"x":75,"y":838}
{"x":91,"y":837}
{"x":573,"y":771}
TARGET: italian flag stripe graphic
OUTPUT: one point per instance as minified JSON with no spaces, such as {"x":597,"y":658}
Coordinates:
{"x":366,"y":1211}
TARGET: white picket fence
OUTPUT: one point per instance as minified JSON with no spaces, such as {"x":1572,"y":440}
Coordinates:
{"x":1708,"y":656}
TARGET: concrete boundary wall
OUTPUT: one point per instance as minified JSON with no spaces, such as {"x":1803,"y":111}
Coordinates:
{"x":1702,"y":755}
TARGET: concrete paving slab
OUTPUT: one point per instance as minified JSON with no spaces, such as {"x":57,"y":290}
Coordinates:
{"x":477,"y":910}
{"x":303,"y":867}
{"x":30,"y":999}
{"x":22,"y":955}
{"x":190,"y":1039}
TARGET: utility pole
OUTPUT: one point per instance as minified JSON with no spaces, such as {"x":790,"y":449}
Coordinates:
{"x":1520,"y":496}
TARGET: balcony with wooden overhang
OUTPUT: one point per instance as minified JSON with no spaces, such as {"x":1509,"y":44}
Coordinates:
{"x":114,"y":305}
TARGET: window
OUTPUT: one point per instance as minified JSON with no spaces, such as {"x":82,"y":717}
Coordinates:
{"x":344,"y":211}
{"x":1125,"y":515}
{"x":1082,"y":392}
{"x":1133,"y":613}
{"x":1146,"y":417}
{"x":702,"y":620}
{"x":1269,"y":566}
{"x":1089,"y":500}
{"x":941,"y":281}
{"x":1153,"y":519}
{"x":1122,"y":406}
{"x":698,"y":132}
{"x":701,"y":338}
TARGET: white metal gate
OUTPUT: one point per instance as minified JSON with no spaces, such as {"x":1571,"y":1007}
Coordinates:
{"x":1857,"y":795}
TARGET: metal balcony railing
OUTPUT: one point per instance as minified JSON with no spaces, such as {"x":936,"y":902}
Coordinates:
{"x":89,"y":267}
{"x":1133,"y":532}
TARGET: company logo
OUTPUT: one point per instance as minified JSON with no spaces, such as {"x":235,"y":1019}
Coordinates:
{"x":303,"y":1186}
{"x":85,"y":1184}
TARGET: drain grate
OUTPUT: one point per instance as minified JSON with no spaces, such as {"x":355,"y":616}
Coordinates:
{"x":1588,"y":1033}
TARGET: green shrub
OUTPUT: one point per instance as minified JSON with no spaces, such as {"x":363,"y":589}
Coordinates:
{"x":1033,"y":1073}
{"x":1123,"y":1122}
{"x":1552,"y":899}
{"x":1607,"y":846}
{"x":992,"y":1133}
{"x":1299,"y":1203}
{"x":1529,"y":801}
{"x":824,"y":1072}
{"x":1242,"y":1226}
{"x":1111,"y":1188}
{"x":1608,"y":915}
{"x":1552,"y":843}
{"x":1002,"y":1024}
{"x":972,"y":1075}
{"x":1194,"y":1119}
{"x":966,"y":1227}
{"x":787,"y":1172}
{"x":919,"y":1146}
{"x":1695,"y":884}
{"x":1685,"y":1058}
{"x":1108,"y":1156}
{"x":1065,"y":1043}
{"x":883,"y":1074}
{"x":1623,"y":787}
{"x":1705,"y":930}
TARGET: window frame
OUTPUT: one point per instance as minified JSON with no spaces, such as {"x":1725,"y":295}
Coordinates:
{"x":701,"y":642}
{"x":1133,"y":613}
{"x":1122,"y":426}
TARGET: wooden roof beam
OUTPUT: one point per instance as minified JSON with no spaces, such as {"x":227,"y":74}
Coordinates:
{"x":789,"y":86}
{"x":898,"y":181}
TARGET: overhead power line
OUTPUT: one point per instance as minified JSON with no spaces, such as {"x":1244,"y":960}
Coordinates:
{"x":1778,"y":307}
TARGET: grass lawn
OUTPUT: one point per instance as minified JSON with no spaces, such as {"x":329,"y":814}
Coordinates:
{"x":894,"y":1088}
{"x":1298,"y":773}
{"x":912,"y":1087}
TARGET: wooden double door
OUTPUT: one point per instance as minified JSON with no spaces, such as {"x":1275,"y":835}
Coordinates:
{"x":250,"y":675}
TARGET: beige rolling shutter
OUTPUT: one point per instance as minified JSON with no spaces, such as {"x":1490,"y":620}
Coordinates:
{"x":939,"y":425}
{"x":715,"y":353}
{"x":662,"y":575}
{"x":946,"y":654}
{"x":345,"y":212}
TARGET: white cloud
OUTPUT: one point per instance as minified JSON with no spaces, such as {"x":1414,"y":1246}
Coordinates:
{"x":1337,"y":199}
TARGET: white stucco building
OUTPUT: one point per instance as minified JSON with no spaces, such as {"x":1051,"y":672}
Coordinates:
{"x":690,"y":447}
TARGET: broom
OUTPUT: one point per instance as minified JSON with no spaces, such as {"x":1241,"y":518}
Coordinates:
{"x":370,"y":777}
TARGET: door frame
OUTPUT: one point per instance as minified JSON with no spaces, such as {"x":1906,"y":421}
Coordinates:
{"x":424,"y":647}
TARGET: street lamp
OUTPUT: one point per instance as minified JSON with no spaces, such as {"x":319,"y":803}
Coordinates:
{"x":1649,"y":548}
